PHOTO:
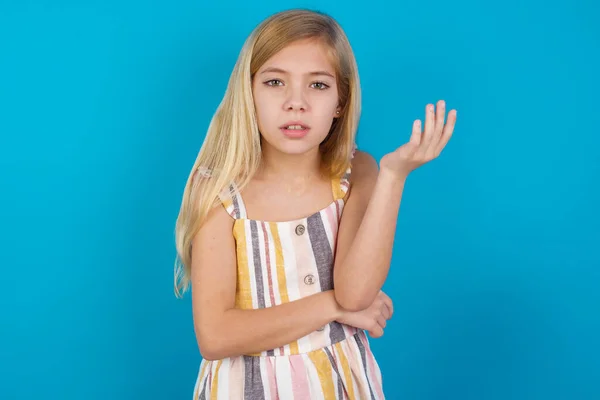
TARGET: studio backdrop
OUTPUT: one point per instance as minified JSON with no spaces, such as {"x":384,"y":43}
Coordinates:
{"x":495,"y":274}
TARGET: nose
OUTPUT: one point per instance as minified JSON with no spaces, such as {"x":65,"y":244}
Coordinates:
{"x":295,"y":100}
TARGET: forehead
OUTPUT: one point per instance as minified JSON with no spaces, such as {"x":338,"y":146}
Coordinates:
{"x":302,"y":57}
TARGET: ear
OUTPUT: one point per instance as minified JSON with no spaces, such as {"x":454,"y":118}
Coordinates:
{"x":338,"y":112}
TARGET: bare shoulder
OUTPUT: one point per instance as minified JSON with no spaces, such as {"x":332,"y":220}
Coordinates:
{"x":364,"y":171}
{"x":213,"y":265}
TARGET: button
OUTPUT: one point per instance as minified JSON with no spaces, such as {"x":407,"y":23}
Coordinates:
{"x":300,"y":229}
{"x":321,"y":329}
{"x":309,"y":279}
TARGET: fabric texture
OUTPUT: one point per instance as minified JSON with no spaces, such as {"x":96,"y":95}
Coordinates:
{"x":280,"y":262}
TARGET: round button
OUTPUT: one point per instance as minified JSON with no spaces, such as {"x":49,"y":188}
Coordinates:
{"x":309,"y":279}
{"x":321,"y":329}
{"x":300,"y":229}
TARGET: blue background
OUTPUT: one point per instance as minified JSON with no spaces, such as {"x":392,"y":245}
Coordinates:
{"x":495,"y":275}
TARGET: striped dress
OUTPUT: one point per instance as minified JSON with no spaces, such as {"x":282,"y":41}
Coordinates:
{"x":279,"y":262}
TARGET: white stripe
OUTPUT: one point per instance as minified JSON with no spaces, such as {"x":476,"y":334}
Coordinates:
{"x":334,"y":378}
{"x":291,"y":278}
{"x":264,"y":376}
{"x":327,"y":225}
{"x":340,"y":208}
{"x":284,"y":378}
{"x":314,"y":383}
{"x":362,"y":369}
{"x":223,"y":384}
{"x":240,"y":202}
{"x":236,"y":378}
{"x":289,"y":260}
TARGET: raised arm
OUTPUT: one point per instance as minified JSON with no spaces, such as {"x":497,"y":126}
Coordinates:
{"x":366,"y":234}
{"x":368,"y":225}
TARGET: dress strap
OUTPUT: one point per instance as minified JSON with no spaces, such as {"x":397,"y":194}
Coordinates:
{"x":229,"y":196}
{"x":232,"y":201}
{"x":342,"y":185}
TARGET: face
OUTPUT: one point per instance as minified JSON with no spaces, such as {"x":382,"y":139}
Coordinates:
{"x":296,"y":98}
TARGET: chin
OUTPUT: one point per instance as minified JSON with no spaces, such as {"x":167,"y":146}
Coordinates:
{"x":293,"y":146}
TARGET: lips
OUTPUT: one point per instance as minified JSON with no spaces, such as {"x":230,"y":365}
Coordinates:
{"x":294,"y":129}
{"x":294,"y":124}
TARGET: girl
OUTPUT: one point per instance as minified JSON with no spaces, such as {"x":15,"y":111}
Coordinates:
{"x":285,"y":231}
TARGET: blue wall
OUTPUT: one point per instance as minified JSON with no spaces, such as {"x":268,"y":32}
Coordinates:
{"x":496,"y":269}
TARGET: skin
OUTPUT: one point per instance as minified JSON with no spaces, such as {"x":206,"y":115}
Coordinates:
{"x":288,"y":186}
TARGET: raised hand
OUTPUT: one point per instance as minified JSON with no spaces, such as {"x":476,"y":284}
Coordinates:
{"x":372,"y":319}
{"x":424,"y":145}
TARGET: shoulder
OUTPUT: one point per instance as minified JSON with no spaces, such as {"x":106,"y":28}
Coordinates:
{"x":364,"y":168}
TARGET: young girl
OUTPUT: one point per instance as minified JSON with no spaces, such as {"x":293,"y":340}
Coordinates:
{"x":285,"y":232}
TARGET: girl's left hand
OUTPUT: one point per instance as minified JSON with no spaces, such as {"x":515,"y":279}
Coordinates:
{"x":423,"y":146}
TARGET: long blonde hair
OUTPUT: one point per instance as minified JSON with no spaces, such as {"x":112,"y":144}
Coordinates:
{"x":231,"y":151}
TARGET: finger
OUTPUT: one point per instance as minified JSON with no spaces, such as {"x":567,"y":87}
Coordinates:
{"x":439,"y":123}
{"x":447,"y":132}
{"x":376,"y":332}
{"x":382,"y":321}
{"x":385,"y":311}
{"x":390,"y":309}
{"x":429,"y":127}
{"x":388,"y":302}
{"x":415,"y":137}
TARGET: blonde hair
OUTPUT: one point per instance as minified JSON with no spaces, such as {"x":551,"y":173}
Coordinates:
{"x":231,"y":151}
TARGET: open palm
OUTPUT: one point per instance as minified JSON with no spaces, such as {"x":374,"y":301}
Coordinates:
{"x":424,"y":145}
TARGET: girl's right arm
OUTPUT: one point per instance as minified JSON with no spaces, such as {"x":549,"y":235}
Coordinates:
{"x":224,"y":331}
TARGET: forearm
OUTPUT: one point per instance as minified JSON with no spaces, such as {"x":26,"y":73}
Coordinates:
{"x":237,"y":332}
{"x":365,"y":267}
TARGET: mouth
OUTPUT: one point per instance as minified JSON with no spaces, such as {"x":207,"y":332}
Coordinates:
{"x":294,"y":129}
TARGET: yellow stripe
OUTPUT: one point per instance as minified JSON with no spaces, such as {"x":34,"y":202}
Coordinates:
{"x":243,"y":295}
{"x":323,"y":367}
{"x":345,"y":370}
{"x":281,"y":281}
{"x":338,"y":193}
{"x":243,"y":298}
{"x":215,"y":383}
{"x":227,"y":203}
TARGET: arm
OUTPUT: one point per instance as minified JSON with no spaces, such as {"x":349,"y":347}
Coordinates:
{"x":366,"y":234}
{"x":224,"y":331}
{"x":368,"y":226}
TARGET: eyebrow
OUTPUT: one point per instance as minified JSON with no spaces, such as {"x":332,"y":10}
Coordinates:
{"x":281,"y":71}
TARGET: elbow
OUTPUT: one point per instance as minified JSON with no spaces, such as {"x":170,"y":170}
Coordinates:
{"x":209,"y":345}
{"x":352,"y":301}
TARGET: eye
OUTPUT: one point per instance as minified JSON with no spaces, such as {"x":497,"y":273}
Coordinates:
{"x":321,"y":85}
{"x":273,"y":82}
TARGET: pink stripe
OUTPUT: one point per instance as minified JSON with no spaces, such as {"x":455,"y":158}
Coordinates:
{"x":333,"y":223}
{"x":236,"y":373}
{"x":337,"y":209}
{"x":299,"y":381}
{"x":375,"y":384}
{"x":269,"y":364}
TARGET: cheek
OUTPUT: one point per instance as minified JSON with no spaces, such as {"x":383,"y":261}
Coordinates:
{"x":325,"y":106}
{"x":263,"y":108}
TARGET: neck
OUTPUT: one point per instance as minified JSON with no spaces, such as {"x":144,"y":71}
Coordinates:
{"x":279,"y":166}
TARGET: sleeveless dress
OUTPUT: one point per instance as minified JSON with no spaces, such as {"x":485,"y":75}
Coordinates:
{"x":280,"y":262}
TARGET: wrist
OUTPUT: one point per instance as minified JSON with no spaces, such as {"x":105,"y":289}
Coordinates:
{"x":335,"y":311}
{"x":390,"y":177}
